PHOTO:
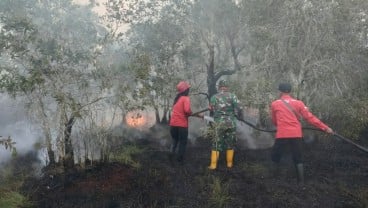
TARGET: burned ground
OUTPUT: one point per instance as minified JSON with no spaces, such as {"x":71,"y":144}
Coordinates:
{"x":336,"y":176}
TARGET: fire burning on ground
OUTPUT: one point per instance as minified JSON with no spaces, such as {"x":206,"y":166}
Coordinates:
{"x":140,"y":119}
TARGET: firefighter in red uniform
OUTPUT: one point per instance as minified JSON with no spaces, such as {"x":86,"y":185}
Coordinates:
{"x":286,"y":115}
{"x":181,"y":110}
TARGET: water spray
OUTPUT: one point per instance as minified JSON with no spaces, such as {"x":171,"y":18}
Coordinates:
{"x":210,"y":119}
{"x":342,"y":138}
{"x":309,"y":128}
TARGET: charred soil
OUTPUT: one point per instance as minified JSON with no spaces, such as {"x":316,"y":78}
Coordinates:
{"x":336,"y":176}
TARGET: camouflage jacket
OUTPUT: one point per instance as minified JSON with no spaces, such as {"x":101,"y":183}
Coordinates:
{"x":225,"y":105}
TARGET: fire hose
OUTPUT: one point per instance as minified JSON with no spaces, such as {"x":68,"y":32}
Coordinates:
{"x":274,"y":130}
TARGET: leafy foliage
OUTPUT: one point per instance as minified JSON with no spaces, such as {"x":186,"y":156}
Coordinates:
{"x":219,"y":196}
{"x":11,"y":199}
{"x":9,"y":144}
{"x":126,"y":155}
{"x":71,"y":65}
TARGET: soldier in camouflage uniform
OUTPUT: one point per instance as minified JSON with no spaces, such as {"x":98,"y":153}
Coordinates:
{"x":225,"y":108}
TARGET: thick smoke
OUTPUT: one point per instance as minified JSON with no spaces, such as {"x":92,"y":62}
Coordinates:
{"x":14,"y":123}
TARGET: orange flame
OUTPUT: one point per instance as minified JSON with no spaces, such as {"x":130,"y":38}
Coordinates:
{"x":135,"y":119}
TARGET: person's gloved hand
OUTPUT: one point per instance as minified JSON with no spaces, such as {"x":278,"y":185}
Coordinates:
{"x":200,"y":115}
{"x":329,"y":130}
{"x":208,"y":119}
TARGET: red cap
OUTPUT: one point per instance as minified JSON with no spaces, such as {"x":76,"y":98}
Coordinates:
{"x":182,"y":86}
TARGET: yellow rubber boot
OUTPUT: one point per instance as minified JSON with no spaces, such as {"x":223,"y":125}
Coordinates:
{"x":214,"y":159}
{"x":229,"y":158}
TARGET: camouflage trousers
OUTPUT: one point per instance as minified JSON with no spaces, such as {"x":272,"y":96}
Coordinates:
{"x":225,"y":138}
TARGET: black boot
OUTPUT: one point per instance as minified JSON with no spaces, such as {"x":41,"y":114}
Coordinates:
{"x":300,"y":173}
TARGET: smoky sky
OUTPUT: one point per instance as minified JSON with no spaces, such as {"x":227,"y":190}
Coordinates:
{"x":14,"y":123}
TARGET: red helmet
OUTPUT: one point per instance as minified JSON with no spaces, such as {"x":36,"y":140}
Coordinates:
{"x":182,"y":86}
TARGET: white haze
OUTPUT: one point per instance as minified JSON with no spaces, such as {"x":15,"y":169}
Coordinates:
{"x":14,"y":123}
{"x":253,"y":139}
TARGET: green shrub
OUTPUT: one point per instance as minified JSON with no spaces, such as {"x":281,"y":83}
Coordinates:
{"x":362,"y":196}
{"x":219,"y":195}
{"x":10,"y":199}
{"x":10,"y":184}
{"x":126,"y":154}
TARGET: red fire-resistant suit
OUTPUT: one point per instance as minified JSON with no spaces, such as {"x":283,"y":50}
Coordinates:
{"x":180,"y":112}
{"x":287,"y":123}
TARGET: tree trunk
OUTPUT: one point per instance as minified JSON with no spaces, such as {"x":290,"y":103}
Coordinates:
{"x":211,"y":80}
{"x":69,"y":154}
{"x":50,"y":152}
{"x":157,"y":115}
{"x":47,"y":133}
{"x":164,"y":119}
